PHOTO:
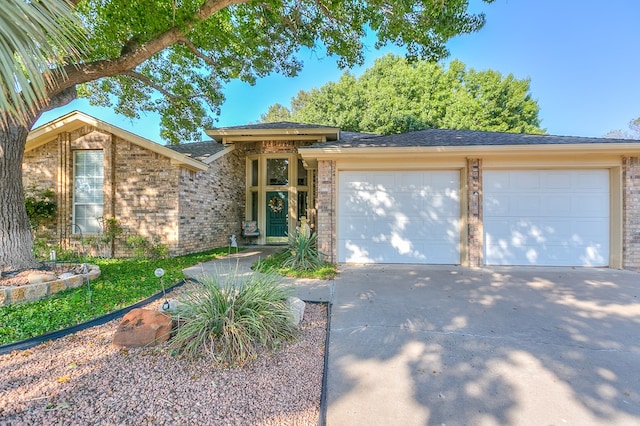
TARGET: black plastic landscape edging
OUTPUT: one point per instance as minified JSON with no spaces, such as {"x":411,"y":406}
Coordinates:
{"x":53,"y":335}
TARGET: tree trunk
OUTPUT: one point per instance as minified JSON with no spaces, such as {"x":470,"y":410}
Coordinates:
{"x":15,"y":233}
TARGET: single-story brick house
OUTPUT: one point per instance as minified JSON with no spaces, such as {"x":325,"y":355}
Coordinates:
{"x":432,"y":196}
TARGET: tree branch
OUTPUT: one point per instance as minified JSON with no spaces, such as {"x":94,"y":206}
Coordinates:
{"x":83,"y":73}
{"x":193,"y":49}
{"x":325,"y":10}
{"x":146,"y":80}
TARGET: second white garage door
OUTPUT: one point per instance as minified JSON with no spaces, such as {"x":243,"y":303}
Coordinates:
{"x":399,"y":217}
{"x":546,"y":217}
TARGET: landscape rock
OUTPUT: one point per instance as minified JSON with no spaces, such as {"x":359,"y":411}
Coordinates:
{"x":40,"y":277}
{"x":297,"y":308}
{"x":169,"y":306}
{"x":142,"y":327}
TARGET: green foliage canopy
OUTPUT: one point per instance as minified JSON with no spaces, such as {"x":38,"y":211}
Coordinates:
{"x":398,"y":95}
{"x":173,"y":57}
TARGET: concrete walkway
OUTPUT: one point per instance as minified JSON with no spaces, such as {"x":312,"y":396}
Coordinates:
{"x":422,"y":345}
{"x":306,"y":289}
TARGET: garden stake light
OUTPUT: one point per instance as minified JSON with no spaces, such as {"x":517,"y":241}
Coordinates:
{"x":159,"y":272}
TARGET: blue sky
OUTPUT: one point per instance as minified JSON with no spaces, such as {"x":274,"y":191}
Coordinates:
{"x":581,"y":56}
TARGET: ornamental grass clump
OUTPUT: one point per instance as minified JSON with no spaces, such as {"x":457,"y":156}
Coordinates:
{"x":230,"y":319}
{"x":302,"y":252}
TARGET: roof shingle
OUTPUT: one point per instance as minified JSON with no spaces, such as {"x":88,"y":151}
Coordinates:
{"x":447,"y":137}
{"x":198,"y":150}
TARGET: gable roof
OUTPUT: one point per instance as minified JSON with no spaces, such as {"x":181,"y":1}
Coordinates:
{"x":282,"y":130}
{"x":76,"y":119}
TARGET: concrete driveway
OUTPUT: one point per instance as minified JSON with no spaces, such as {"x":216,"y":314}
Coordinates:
{"x":422,"y":345}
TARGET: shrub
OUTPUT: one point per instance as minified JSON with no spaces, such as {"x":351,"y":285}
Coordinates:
{"x":229,"y":319}
{"x":138,"y":246}
{"x":141,"y":248}
{"x":302,"y":252}
{"x":157,"y":250}
{"x":40,"y":205}
{"x":111,"y":229}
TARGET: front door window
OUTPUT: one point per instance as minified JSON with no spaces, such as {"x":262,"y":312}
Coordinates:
{"x":277,"y":171}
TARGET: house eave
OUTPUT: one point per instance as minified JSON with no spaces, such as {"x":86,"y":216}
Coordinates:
{"x":75,"y":120}
{"x":319,"y":134}
{"x":334,"y":152}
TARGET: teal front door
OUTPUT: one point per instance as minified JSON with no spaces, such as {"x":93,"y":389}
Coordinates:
{"x":277,"y":214}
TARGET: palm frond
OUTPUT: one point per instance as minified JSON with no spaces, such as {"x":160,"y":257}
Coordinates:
{"x":35,"y":38}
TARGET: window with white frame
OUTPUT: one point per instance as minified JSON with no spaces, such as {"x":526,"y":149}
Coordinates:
{"x":88,"y":180}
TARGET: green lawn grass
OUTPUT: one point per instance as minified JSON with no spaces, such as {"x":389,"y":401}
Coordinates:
{"x":274,"y":264}
{"x":122,"y":282}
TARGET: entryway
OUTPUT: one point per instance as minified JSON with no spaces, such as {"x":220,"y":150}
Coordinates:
{"x":277,"y":216}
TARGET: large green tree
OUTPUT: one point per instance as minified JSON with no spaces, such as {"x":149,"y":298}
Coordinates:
{"x":172,"y":57}
{"x":399,"y":95}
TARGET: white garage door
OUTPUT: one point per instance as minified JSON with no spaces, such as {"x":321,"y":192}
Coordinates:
{"x":546,"y":217}
{"x":399,"y":217}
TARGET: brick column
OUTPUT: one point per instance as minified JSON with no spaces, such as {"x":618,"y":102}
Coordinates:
{"x":631,"y":213}
{"x":326,"y":210}
{"x":64,"y":186}
{"x":475,"y":237}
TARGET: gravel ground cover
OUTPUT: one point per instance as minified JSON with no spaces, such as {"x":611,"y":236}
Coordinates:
{"x":83,"y":379}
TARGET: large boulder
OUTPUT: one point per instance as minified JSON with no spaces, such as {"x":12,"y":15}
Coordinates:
{"x":142,"y":327}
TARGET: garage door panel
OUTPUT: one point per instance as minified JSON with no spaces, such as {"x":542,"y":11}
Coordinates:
{"x":356,"y":228}
{"x":365,"y":203}
{"x":495,"y":182}
{"x":555,"y":224}
{"x":591,"y":181}
{"x":590,"y":205}
{"x":556,"y":181}
{"x":407,"y":203}
{"x":357,"y":251}
{"x":409,"y":217}
{"x":587,"y":231}
{"x":534,"y":231}
{"x":409,"y":182}
{"x":524,"y":181}
{"x":548,"y":255}
{"x":557,"y":205}
{"x":496,"y":205}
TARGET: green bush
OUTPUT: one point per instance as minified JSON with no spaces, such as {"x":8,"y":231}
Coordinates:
{"x":138,"y":246}
{"x":302,"y":252}
{"x":141,"y":248}
{"x":40,"y":205}
{"x":157,"y":250}
{"x":229,"y":319}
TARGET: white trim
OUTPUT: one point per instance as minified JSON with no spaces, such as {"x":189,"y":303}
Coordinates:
{"x":227,"y":150}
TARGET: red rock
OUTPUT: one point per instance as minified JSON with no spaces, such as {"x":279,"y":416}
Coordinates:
{"x":142,"y":327}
